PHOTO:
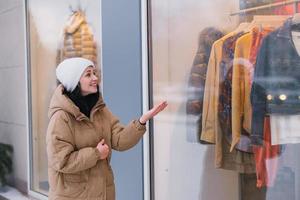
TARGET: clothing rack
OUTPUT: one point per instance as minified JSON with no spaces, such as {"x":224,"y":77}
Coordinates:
{"x":271,"y":5}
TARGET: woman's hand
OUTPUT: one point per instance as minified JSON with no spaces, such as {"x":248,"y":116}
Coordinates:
{"x":103,"y":149}
{"x":154,"y":111}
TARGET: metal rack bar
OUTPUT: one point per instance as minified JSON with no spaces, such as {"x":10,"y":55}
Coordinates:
{"x":266,"y":6}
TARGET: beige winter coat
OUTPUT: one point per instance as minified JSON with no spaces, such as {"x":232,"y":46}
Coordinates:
{"x":74,"y":167}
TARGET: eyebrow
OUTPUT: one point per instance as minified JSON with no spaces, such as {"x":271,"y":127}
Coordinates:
{"x":91,"y":70}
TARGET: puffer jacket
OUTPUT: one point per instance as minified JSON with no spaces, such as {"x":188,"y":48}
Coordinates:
{"x":74,"y":167}
{"x":196,"y":82}
{"x":78,"y":39}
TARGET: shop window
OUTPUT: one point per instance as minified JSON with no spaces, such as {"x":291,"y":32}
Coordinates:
{"x":230,"y":71}
{"x":55,"y":30}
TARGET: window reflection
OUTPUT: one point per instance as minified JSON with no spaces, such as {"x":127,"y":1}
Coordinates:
{"x":231,"y":77}
{"x":57,"y":30}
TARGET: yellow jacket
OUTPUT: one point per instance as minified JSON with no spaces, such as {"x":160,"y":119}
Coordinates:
{"x":210,"y":123}
{"x":211,"y":131}
{"x":241,"y":88}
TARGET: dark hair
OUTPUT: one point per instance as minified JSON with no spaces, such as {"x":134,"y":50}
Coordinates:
{"x":84,"y":103}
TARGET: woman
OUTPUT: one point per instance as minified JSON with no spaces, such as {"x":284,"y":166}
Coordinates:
{"x":81,"y":133}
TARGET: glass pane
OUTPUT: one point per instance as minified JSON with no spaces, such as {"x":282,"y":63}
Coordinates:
{"x":232,"y":80}
{"x":53,"y":25}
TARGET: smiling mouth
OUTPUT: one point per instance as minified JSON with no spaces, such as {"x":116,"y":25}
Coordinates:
{"x":93,"y":84}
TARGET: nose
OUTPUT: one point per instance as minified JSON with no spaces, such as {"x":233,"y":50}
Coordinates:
{"x":95,"y":77}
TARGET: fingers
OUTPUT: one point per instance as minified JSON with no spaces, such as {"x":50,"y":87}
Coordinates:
{"x":164,"y":103}
{"x":160,"y":105}
{"x":159,"y":108}
{"x":154,"y":111}
{"x":103,"y":149}
{"x":102,"y":142}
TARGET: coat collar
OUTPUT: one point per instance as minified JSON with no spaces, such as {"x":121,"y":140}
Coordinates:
{"x":285,"y":30}
{"x":59,"y":101}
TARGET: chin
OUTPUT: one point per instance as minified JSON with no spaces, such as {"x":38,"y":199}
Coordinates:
{"x":94,"y":90}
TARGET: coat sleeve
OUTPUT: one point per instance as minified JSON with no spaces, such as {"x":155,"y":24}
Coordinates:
{"x":209,"y":107}
{"x":258,"y":95}
{"x":125,"y":137}
{"x":61,"y":151}
{"x":195,"y":96}
{"x":241,"y":67}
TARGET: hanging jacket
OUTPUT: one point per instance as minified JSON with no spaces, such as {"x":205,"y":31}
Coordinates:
{"x":78,"y":39}
{"x":276,"y":82}
{"x":225,"y":97}
{"x":75,"y":169}
{"x":196,"y":81}
{"x":211,"y":131}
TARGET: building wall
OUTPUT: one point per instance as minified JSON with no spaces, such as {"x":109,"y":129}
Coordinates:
{"x":12,"y":87}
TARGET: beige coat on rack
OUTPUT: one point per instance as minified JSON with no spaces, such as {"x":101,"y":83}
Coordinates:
{"x":78,"y":39}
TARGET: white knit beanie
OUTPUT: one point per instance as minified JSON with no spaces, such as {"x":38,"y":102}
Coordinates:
{"x":69,"y":71}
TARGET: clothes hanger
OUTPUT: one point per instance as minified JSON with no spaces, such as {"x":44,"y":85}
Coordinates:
{"x":78,"y":9}
{"x":266,"y":21}
{"x":296,"y":19}
{"x":296,"y":23}
{"x":242,"y":26}
{"x":71,"y":9}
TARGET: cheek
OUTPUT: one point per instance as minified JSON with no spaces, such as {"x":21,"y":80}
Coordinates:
{"x":83,"y":83}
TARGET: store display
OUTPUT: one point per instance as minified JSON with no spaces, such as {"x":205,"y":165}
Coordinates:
{"x":247,"y":80}
{"x":78,"y":39}
{"x":214,"y":104}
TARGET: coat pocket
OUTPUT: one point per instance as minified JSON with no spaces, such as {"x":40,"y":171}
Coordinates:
{"x":73,"y":178}
{"x":73,"y":186}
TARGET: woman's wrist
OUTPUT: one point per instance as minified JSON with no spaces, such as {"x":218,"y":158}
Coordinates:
{"x":142,"y":122}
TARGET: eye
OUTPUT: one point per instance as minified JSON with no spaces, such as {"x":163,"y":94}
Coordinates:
{"x":88,"y":74}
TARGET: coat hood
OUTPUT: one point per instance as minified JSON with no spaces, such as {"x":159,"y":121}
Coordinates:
{"x":59,"y":101}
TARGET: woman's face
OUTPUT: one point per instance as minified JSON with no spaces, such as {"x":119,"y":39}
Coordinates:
{"x":89,"y":81}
